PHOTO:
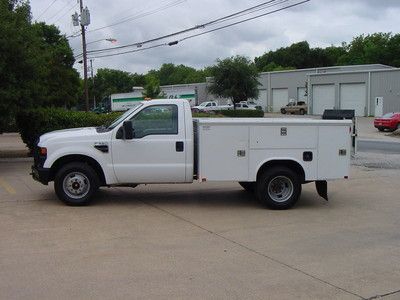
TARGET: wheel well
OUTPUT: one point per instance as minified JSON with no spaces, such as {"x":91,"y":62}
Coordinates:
{"x":291,"y":164}
{"x":77,"y":158}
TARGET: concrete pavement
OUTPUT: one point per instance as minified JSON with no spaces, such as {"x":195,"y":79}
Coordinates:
{"x":209,"y":240}
{"x":378,"y":146}
{"x":11,"y":146}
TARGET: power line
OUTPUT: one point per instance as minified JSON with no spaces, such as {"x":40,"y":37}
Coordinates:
{"x":242,"y":21}
{"x":138,"y":16}
{"x":131,"y":51}
{"x":65,"y":6}
{"x":206,"y":32}
{"x":72,"y":7}
{"x":47,"y":8}
{"x":266,"y":4}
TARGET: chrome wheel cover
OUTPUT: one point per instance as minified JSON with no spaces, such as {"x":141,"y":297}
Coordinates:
{"x":76,"y":185}
{"x":280,"y":189}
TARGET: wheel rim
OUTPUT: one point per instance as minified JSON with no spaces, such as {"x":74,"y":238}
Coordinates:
{"x":280,"y":189}
{"x":76,"y":185}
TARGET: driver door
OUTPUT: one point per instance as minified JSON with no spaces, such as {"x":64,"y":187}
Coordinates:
{"x":156,"y":154}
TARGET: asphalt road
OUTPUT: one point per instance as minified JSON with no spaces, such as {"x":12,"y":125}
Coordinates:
{"x":200,"y":241}
{"x":378,"y":146}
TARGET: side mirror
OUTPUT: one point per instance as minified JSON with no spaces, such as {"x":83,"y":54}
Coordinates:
{"x":128,"y":130}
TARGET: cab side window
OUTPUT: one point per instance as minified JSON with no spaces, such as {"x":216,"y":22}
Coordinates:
{"x":156,"y":120}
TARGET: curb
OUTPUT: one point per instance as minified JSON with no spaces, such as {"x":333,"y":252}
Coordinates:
{"x":14,"y":153}
{"x":16,"y":159}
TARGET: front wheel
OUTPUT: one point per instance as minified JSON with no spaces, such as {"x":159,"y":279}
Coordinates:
{"x":283,"y":111}
{"x":76,"y":183}
{"x":278,"y":188}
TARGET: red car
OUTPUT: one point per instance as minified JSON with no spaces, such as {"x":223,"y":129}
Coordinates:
{"x":389,"y":121}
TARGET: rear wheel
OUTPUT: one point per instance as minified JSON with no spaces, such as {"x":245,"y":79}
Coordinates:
{"x":278,"y":188}
{"x":248,"y":186}
{"x":381,"y":129}
{"x":76,"y":183}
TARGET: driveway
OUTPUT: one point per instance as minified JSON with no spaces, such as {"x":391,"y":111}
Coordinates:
{"x":209,"y":240}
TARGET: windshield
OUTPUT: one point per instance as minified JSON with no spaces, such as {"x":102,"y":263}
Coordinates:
{"x":123,"y":116}
{"x":388,"y":116}
{"x":203,"y":104}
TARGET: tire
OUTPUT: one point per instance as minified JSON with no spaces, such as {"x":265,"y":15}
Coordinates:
{"x":283,"y":111}
{"x":381,"y":129}
{"x":302,"y":111}
{"x":398,"y":127}
{"x":248,"y":186}
{"x":76,"y":183}
{"x":287,"y":187}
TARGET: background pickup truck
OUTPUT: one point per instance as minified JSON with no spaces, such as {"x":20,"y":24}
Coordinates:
{"x":211,"y":106}
{"x":159,"y":142}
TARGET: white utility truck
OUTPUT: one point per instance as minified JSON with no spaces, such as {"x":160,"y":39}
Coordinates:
{"x":158,"y":142}
{"x":211,"y":106}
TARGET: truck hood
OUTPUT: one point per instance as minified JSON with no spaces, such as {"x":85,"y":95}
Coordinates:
{"x":67,"y":134}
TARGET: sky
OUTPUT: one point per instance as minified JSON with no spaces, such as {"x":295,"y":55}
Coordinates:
{"x":320,"y":22}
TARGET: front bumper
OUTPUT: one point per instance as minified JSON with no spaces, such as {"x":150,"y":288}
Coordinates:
{"x":41,"y":174}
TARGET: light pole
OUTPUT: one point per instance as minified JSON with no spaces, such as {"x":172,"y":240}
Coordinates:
{"x":112,"y":40}
{"x":91,"y":73}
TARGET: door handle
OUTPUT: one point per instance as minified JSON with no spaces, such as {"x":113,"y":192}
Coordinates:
{"x":179,"y":146}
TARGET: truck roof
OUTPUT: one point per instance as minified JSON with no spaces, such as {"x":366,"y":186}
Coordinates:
{"x":272,"y":121}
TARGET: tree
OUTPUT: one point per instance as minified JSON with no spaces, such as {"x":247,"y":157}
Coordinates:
{"x":35,"y":63}
{"x":152,"y":88}
{"x":235,"y":78}
{"x":61,"y":79}
{"x":109,"y":81}
{"x":170,"y":74}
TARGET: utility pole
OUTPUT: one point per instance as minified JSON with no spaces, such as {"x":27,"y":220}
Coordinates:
{"x":83,"y":21}
{"x":85,"y":84}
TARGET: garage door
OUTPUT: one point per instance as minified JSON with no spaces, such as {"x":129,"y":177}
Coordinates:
{"x":280,"y":97}
{"x":353,"y":96}
{"x":301,"y":94}
{"x":323,"y":97}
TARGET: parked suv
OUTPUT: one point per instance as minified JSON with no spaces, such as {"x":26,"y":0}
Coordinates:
{"x":299,"y":107}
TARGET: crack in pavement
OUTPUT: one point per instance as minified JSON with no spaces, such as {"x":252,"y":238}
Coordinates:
{"x":253,"y":250}
{"x":383,"y":295}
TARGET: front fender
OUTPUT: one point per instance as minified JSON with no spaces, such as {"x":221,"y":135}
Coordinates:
{"x":103,"y":159}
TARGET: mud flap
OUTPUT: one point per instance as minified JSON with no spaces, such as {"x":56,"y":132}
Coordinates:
{"x":322,"y":188}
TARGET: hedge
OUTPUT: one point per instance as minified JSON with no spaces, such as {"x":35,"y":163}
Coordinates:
{"x":33,"y":123}
{"x":242,"y":113}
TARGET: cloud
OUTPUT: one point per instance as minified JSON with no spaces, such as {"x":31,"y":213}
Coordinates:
{"x":320,"y":22}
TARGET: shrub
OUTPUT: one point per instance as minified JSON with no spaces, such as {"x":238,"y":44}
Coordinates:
{"x":242,"y":113}
{"x":8,"y":125}
{"x":33,"y":123}
{"x":206,"y":115}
